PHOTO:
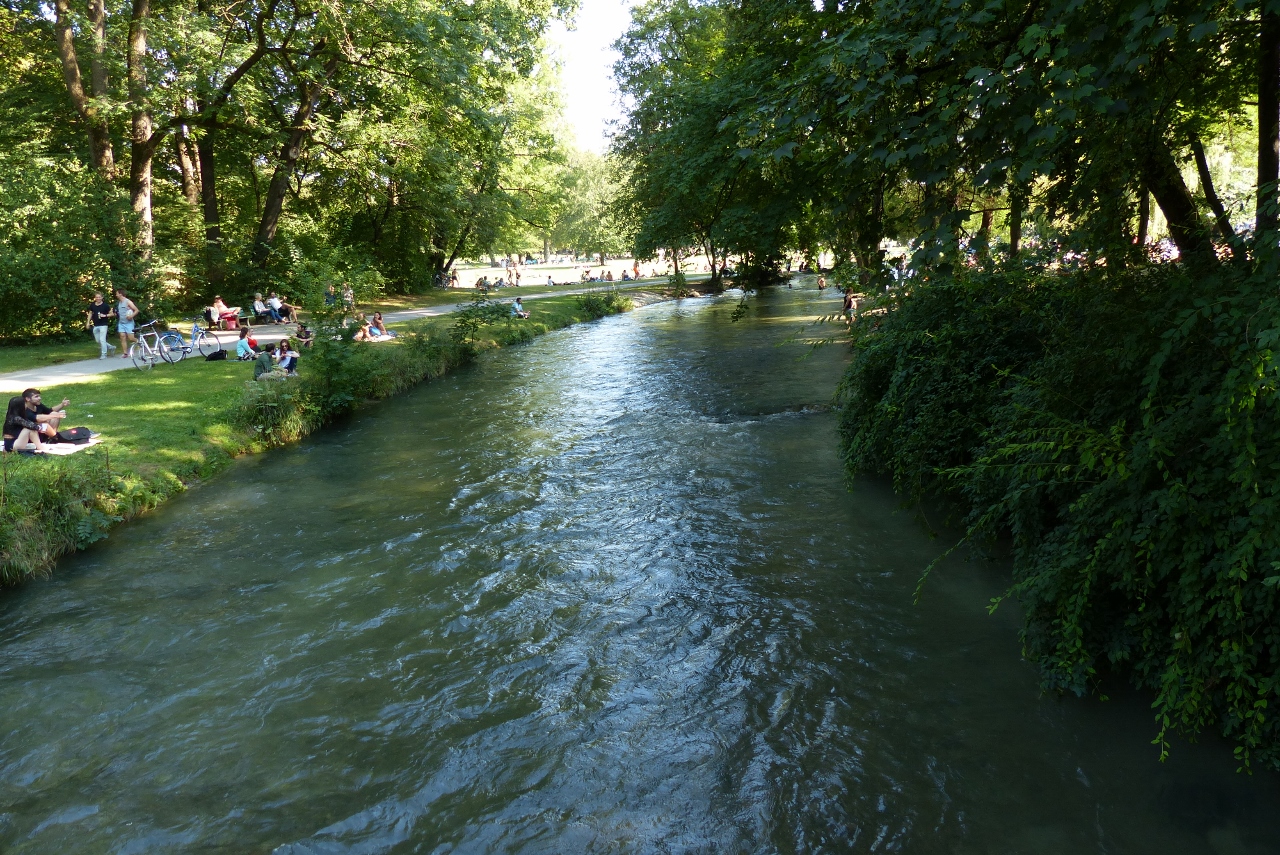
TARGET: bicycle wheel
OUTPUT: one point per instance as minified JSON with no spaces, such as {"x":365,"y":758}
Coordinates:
{"x":142,"y":357}
{"x":206,"y":343}
{"x":172,"y":347}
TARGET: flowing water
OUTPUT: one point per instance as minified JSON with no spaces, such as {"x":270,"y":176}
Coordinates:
{"x":606,"y":592}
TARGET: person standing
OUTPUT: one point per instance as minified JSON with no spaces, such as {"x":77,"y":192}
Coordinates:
{"x":99,"y":315}
{"x":126,"y":311}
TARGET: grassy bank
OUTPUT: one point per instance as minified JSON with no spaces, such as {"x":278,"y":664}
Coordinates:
{"x":175,"y":425}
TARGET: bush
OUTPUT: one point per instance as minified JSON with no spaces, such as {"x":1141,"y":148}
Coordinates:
{"x":64,"y":233}
{"x":597,"y":305}
{"x":1122,"y":430}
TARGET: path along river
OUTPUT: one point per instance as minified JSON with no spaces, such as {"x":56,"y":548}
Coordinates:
{"x":606,"y":592}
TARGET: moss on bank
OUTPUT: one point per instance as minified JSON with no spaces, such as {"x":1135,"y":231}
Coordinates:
{"x":173,"y":426}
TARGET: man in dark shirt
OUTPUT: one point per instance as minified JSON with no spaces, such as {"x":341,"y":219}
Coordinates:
{"x":99,"y":312}
{"x":28,"y":420}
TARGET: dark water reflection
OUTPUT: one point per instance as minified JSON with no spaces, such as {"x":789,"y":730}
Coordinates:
{"x":604,"y":593}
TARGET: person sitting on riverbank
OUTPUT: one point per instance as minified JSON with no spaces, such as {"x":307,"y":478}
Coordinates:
{"x":518,"y":311}
{"x":245,"y":352}
{"x":363,"y":332}
{"x":29,"y":423}
{"x":305,"y":336}
{"x":263,"y":365}
{"x":378,"y":328}
{"x":287,"y":358}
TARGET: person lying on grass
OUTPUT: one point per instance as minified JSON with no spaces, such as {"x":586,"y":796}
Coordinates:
{"x":27,"y":420}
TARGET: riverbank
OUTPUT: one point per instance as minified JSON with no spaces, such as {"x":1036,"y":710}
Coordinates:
{"x":167,"y":429}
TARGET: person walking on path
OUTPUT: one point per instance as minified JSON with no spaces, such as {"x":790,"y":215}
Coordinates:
{"x":126,"y":311}
{"x":99,"y":317}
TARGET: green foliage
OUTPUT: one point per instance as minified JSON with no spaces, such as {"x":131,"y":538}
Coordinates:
{"x":63,"y":234}
{"x":597,"y":305}
{"x":479,"y":314}
{"x":1121,"y":428}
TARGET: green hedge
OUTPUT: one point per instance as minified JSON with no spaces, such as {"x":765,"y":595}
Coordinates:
{"x":1122,"y":431}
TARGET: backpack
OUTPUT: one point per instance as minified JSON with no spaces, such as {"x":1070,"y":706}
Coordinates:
{"x":216,"y":355}
{"x":75,"y":435}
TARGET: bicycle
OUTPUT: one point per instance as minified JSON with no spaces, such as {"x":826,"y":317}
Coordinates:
{"x":150,"y":347}
{"x":178,"y":348}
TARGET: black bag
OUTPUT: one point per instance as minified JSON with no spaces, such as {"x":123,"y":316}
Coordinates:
{"x":76,"y":435}
{"x":216,"y":355}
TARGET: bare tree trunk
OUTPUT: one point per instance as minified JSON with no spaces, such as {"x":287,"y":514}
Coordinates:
{"x":214,"y":260}
{"x":99,"y":133}
{"x":189,"y":167}
{"x":1017,"y":201}
{"x":1268,"y":125}
{"x":98,"y":59}
{"x":1211,"y":195}
{"x":1164,"y":180}
{"x":546,"y":248}
{"x":142,"y":148}
{"x":1144,"y":215}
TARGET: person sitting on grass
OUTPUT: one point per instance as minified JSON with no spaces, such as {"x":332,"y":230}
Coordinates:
{"x":363,"y":330}
{"x":262,"y":312}
{"x":378,"y":328}
{"x":27,"y":421}
{"x":517,"y":310}
{"x":305,"y":336}
{"x":245,"y":352}
{"x":263,"y":365}
{"x":287,"y":358}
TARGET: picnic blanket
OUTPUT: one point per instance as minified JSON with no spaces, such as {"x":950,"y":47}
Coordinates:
{"x":64,"y":448}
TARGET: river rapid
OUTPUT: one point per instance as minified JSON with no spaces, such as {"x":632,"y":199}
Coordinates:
{"x":606,"y":592}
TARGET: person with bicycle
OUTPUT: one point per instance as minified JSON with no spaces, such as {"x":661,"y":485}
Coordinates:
{"x":126,"y":311}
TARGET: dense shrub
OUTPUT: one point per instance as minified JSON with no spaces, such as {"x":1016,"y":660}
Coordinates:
{"x":1122,"y":431}
{"x":63,"y":233}
{"x":599,"y":304}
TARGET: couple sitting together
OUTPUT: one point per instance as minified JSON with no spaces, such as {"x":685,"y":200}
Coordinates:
{"x":281,"y":361}
{"x":372,"y":329}
{"x":29,"y":423}
{"x":274,"y":310}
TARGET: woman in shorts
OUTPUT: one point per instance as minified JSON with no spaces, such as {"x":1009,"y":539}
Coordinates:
{"x":126,"y":311}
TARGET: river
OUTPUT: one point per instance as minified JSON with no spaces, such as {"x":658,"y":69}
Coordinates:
{"x":606,"y":592}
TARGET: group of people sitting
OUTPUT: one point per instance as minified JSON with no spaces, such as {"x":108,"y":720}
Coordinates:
{"x":29,"y":423}
{"x":278,"y":361}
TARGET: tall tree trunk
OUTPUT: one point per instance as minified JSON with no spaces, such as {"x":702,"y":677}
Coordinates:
{"x":1164,"y":180}
{"x":308,"y":102}
{"x":546,"y":248}
{"x":1144,"y":215}
{"x":1268,"y":125}
{"x":215,"y":263}
{"x":142,"y":148}
{"x":98,"y":59}
{"x":100,"y":149}
{"x":1211,"y":195}
{"x":189,"y":167}
{"x":1017,"y":201}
